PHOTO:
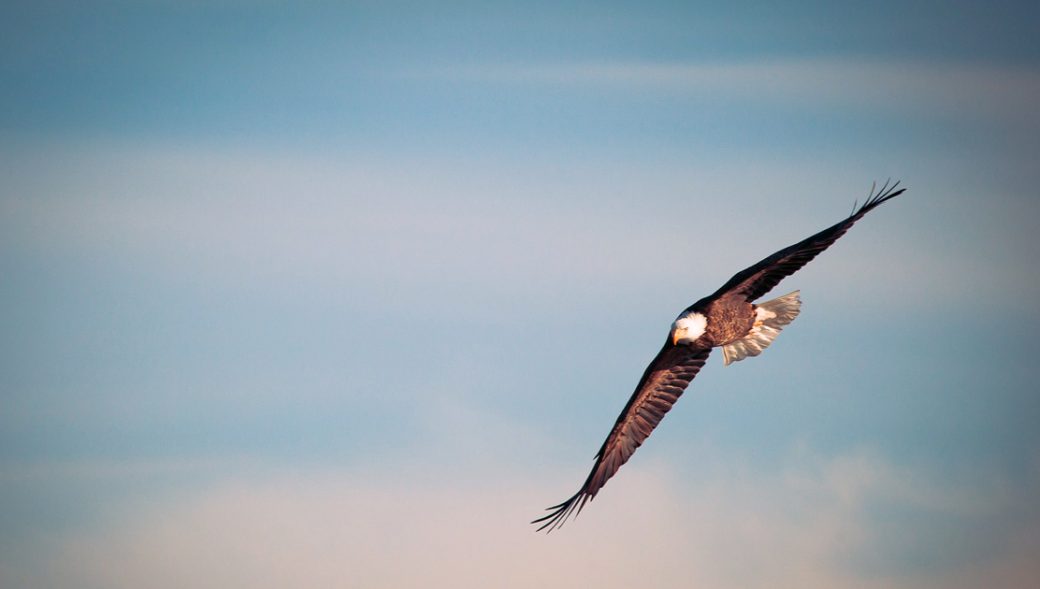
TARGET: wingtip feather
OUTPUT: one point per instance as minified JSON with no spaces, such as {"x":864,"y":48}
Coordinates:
{"x":562,"y":512}
{"x":878,"y":196}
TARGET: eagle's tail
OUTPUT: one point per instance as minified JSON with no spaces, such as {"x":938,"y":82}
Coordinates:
{"x":770,"y":318}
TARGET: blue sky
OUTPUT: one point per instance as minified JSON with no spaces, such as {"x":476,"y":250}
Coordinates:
{"x":346,"y":293}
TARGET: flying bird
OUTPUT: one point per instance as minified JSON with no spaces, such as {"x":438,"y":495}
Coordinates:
{"x":727,"y":319}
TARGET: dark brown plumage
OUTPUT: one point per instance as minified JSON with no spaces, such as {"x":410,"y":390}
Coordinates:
{"x":727,"y":318}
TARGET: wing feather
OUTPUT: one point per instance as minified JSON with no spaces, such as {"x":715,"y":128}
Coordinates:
{"x":759,"y":279}
{"x":662,"y":384}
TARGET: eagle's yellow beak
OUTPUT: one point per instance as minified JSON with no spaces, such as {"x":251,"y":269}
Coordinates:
{"x":677,"y":334}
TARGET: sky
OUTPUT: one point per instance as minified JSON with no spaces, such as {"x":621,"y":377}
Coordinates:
{"x":345,"y":294}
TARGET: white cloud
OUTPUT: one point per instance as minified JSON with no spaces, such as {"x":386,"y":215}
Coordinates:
{"x":404,"y":231}
{"x":732,"y":528}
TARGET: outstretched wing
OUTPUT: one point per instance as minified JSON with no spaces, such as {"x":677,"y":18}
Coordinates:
{"x":663,"y":382}
{"x":759,"y":279}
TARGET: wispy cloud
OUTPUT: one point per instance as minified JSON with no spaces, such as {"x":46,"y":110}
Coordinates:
{"x":811,"y":525}
{"x":373,"y":227}
{"x":999,"y":92}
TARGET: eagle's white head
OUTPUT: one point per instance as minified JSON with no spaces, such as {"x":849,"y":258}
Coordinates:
{"x":688,"y":328}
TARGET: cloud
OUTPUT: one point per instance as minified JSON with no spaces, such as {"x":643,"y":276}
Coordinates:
{"x":999,"y":92}
{"x":457,"y":231}
{"x":809,"y":525}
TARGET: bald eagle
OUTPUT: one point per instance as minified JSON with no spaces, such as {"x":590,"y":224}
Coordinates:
{"x":729,"y":319}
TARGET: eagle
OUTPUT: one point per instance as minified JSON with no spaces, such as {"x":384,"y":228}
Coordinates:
{"x":728,"y":319}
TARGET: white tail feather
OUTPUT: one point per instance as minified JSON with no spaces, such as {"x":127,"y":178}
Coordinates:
{"x":770,"y":318}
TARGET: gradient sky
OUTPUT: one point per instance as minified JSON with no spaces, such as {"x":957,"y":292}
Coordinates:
{"x":344,"y":294}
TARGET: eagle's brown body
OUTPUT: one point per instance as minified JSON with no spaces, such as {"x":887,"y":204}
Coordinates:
{"x":729,"y":319}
